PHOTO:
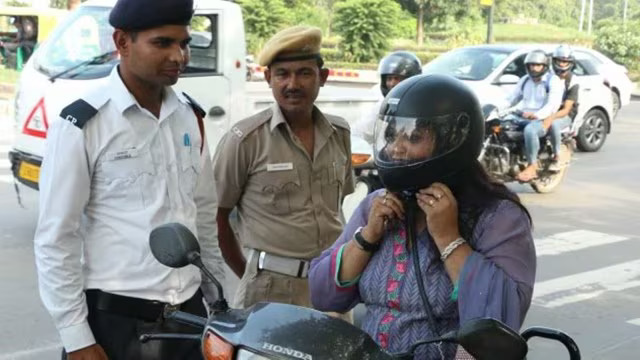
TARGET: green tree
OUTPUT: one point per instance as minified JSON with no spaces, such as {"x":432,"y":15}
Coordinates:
{"x":441,"y":14}
{"x":365,"y":27}
{"x":306,"y":13}
{"x":620,"y":43}
{"x":262,"y":19}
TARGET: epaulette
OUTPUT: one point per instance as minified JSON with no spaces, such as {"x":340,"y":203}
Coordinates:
{"x":337,"y":121}
{"x":195,"y":106}
{"x":78,"y":113}
{"x":246,"y":126}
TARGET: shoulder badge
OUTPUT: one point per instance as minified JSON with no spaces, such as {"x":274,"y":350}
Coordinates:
{"x":194,"y":104}
{"x":78,"y":113}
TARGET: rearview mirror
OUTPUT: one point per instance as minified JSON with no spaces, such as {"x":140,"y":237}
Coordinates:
{"x":487,"y":338}
{"x":508,"y":79}
{"x":174,"y":245}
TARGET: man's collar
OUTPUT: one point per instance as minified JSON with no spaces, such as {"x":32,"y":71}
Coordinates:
{"x":120,"y":95}
{"x":320,"y":121}
{"x":124,"y":99}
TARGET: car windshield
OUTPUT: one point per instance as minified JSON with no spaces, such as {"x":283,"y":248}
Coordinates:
{"x":467,"y":64}
{"x":82,"y":46}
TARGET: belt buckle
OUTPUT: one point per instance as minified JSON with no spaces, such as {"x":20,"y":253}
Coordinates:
{"x":169,"y":309}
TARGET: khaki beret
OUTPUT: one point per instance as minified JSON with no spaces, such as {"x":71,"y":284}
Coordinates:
{"x":292,"y":44}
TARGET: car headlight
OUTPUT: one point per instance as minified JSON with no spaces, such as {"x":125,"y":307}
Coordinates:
{"x":247,"y":355}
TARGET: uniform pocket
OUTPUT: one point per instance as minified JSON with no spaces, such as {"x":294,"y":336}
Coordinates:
{"x":120,"y":176}
{"x":281,"y":189}
{"x":333,"y":185}
{"x":190,"y":169}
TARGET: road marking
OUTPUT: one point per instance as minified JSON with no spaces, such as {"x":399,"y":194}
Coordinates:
{"x":565,"y":242}
{"x":586,"y":285}
{"x":634,"y":322}
{"x":33,"y":353}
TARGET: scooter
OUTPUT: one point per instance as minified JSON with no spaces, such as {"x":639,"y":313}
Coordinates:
{"x":282,"y":331}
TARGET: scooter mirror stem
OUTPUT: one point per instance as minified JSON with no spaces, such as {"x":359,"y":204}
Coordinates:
{"x":221,"y":304}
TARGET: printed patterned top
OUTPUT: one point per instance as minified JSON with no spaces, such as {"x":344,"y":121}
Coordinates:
{"x":496,"y":281}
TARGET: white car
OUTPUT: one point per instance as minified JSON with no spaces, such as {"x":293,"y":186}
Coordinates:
{"x":492,"y":72}
{"x":614,"y":73}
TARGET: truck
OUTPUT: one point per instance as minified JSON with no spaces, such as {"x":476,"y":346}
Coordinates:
{"x":80,"y":53}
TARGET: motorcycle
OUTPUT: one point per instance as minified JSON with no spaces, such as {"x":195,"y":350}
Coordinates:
{"x":282,"y":331}
{"x":503,"y":151}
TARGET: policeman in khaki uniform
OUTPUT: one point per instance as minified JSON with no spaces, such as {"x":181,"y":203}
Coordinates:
{"x":286,"y":169}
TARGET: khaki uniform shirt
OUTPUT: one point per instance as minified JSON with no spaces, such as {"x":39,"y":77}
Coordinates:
{"x":288,"y":203}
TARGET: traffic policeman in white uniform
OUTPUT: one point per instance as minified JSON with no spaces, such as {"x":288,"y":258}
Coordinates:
{"x":126,"y":157}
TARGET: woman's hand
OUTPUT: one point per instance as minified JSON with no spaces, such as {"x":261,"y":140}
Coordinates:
{"x":384,"y":207}
{"x":441,"y":208}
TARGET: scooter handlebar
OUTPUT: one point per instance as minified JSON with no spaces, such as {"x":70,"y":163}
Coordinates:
{"x":553,"y":334}
{"x":188,"y":319}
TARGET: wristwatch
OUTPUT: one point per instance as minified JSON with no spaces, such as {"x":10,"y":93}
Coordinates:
{"x":364,"y":244}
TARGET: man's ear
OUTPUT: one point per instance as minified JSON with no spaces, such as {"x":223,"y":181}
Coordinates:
{"x":267,"y":75}
{"x":122,"y":40}
{"x":324,"y":74}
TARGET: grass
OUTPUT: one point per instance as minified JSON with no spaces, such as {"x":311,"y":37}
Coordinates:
{"x":542,"y":33}
{"x":523,"y":33}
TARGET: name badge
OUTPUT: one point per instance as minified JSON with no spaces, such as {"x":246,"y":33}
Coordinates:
{"x":279,"y":167}
{"x":122,"y":154}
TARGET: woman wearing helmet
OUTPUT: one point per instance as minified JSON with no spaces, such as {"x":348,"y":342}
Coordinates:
{"x":468,"y":237}
{"x":537,"y":96}
{"x":562,"y":62}
{"x":393,"y":68}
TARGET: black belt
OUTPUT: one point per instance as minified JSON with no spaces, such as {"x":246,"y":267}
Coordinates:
{"x":147,"y":310}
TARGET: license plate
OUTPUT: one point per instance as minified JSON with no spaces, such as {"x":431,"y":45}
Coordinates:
{"x":29,"y":172}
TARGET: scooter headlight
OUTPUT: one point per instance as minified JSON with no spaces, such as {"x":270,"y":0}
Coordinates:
{"x":215,"y":348}
{"x":247,"y":355}
{"x":359,"y":159}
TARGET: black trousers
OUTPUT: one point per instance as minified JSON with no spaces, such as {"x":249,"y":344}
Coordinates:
{"x":119,"y":335}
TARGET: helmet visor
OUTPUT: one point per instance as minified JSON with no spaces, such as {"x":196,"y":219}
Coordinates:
{"x":406,"y":141}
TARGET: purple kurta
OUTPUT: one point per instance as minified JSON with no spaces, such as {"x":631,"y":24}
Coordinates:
{"x":496,"y":281}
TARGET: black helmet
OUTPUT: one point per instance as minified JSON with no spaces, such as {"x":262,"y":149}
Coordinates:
{"x":403,"y":63}
{"x":563,"y":53}
{"x":536,"y":57}
{"x":438,"y":112}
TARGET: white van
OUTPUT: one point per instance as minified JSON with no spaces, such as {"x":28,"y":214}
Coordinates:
{"x":80,"y":53}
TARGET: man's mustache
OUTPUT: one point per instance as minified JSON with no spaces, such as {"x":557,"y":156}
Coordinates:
{"x":293,"y":92}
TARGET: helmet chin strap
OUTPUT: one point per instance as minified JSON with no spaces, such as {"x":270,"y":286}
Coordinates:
{"x":410,"y":203}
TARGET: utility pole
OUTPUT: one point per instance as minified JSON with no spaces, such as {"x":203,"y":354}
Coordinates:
{"x":582,"y":9}
{"x":624,"y":12}
{"x":489,"y":4}
{"x":590,"y":16}
{"x":490,"y":25}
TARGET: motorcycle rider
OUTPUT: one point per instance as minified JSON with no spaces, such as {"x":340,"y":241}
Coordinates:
{"x":536,"y":97}
{"x":393,"y":68}
{"x":562,"y":62}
